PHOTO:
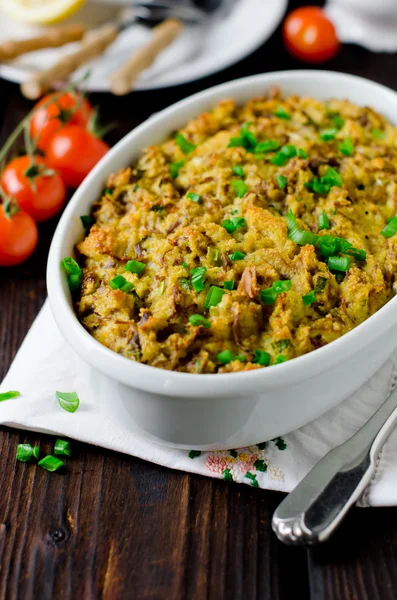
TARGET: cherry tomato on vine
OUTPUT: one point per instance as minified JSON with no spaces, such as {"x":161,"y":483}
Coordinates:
{"x":38,"y":190}
{"x":50,"y":115}
{"x":18,"y":236}
{"x":73,"y":152}
{"x":309,"y":35}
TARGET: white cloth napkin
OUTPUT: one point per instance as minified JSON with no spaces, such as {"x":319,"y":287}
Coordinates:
{"x":46,"y":363}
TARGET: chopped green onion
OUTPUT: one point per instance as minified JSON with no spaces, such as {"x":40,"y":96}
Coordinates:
{"x":184,"y":264}
{"x":247,"y":139}
{"x":283,"y":344}
{"x":346,"y":147}
{"x":262,"y":358}
{"x":378,"y":134}
{"x":298,"y":236}
{"x":68,"y":401}
{"x":238,"y":170}
{"x":107,"y":191}
{"x":199,"y":321}
{"x":323,"y":184}
{"x":338,"y":121}
{"x":87,"y":221}
{"x":214,"y":296}
{"x":50,"y":463}
{"x":320,"y":284}
{"x":323,"y":221}
{"x":267,"y":146}
{"x":229,"y":285}
{"x":184,"y":144}
{"x":74,"y":272}
{"x":198,"y":274}
{"x":36,"y":452}
{"x":24,"y":452}
{"x":194,"y":197}
{"x":282,"y":286}
{"x":213,"y":255}
{"x":339,"y":263}
{"x":281,"y":113}
{"x":231,"y":225}
{"x":120,"y":283}
{"x":175,"y":168}
{"x":284,"y":155}
{"x":269,"y":295}
{"x":357,"y":253}
{"x":9,"y":395}
{"x":328,"y":134}
{"x":226,"y":356}
{"x":134,"y":266}
{"x":157,"y":208}
{"x":281,"y":181}
{"x":237,"y":255}
{"x":184,"y":283}
{"x":309,"y":298}
{"x":62,"y":448}
{"x":302,"y":153}
{"x":332,"y":177}
{"x":239,"y":187}
{"x":391,"y":228}
{"x":280,"y":359}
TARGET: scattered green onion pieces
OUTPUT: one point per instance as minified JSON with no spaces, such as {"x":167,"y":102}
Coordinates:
{"x":9,"y":395}
{"x":320,"y":284}
{"x":24,"y":452}
{"x":62,"y":448}
{"x":214,"y":255}
{"x":198,"y":274}
{"x":346,"y":147}
{"x":229,"y":285}
{"x":184,"y":283}
{"x":87,"y":221}
{"x":323,"y":221}
{"x":226,"y":356}
{"x":214,"y":296}
{"x":269,"y":295}
{"x":281,"y":181}
{"x":175,"y":168}
{"x":282,"y":344}
{"x":199,"y":321}
{"x":68,"y":401}
{"x":284,"y":155}
{"x":238,"y":170}
{"x":323,"y":184}
{"x":302,"y":153}
{"x":267,"y":146}
{"x":309,"y":298}
{"x":50,"y":463}
{"x":237,"y":255}
{"x":184,"y":264}
{"x":339,"y":263}
{"x":74,"y":272}
{"x":280,"y":359}
{"x":239,"y":187}
{"x":157,"y":208}
{"x":231,"y":225}
{"x":281,"y":113}
{"x":120,"y":283}
{"x":378,"y":134}
{"x":184,"y":144}
{"x":194,"y":197}
{"x":134,"y":266}
{"x":262,"y":358}
{"x":36,"y":452}
{"x":391,"y":228}
{"x":247,"y":139}
{"x":338,"y":121}
{"x":328,"y":134}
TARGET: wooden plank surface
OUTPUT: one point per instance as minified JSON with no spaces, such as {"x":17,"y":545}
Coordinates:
{"x":116,"y":527}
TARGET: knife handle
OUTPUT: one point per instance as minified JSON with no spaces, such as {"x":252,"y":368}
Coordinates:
{"x":52,"y":38}
{"x":314,"y":509}
{"x":123,"y":78}
{"x":94,"y":43}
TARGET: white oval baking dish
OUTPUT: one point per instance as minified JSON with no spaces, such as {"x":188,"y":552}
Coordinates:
{"x":224,"y":410}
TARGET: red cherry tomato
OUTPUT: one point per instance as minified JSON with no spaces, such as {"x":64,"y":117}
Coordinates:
{"x":38,"y":191}
{"x":73,"y":152}
{"x":309,"y":35}
{"x":18,"y":237}
{"x":50,"y":115}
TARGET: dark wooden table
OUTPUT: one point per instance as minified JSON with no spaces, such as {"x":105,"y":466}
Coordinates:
{"x":117,"y":527}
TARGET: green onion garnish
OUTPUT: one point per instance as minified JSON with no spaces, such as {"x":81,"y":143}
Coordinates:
{"x":214,"y":296}
{"x":9,"y":395}
{"x":239,"y":187}
{"x":184,"y":264}
{"x":194,"y":197}
{"x":283,"y":344}
{"x":50,"y":463}
{"x":346,"y":147}
{"x":357,"y":253}
{"x":328,"y":134}
{"x":87,"y":221}
{"x":320,"y":284}
{"x":281,"y":181}
{"x":284,"y":155}
{"x":36,"y":452}
{"x":302,"y":153}
{"x":175,"y":168}
{"x":231,"y":225}
{"x":281,"y":113}
{"x":68,"y":401}
{"x":378,"y":134}
{"x":229,"y":285}
{"x":157,"y":208}
{"x":391,"y":228}
{"x":323,"y":221}
{"x":238,"y":170}
{"x":338,"y":121}
{"x":184,"y":283}
{"x":214,"y":255}
{"x":120,"y":283}
{"x":134,"y":266}
{"x":199,"y":321}
{"x":247,"y":139}
{"x":280,"y":359}
{"x":226,"y":356}
{"x":261,"y":358}
{"x":323,"y":184}
{"x":74,"y":272}
{"x":24,"y":452}
{"x":267,"y":146}
{"x":339,"y":263}
{"x":198,"y":274}
{"x":237,"y":255}
{"x":269,"y":295}
{"x":107,"y":191}
{"x":309,"y":298}
{"x":184,"y":144}
{"x":62,"y":448}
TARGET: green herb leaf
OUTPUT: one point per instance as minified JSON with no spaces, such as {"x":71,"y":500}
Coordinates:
{"x":226,"y":356}
{"x":184,"y":144}
{"x":237,"y":255}
{"x":328,"y":134}
{"x":309,"y":298}
{"x":267,"y":146}
{"x":194,"y":197}
{"x":62,"y":448}
{"x":346,"y":147}
{"x":262,"y":358}
{"x":281,"y":181}
{"x":175,"y":168}
{"x":24,"y":452}
{"x":214,"y":296}
{"x":323,"y":221}
{"x":134,"y":266}
{"x":50,"y":463}
{"x":280,"y":359}
{"x":229,"y":285}
{"x":198,"y":275}
{"x":338,"y":263}
{"x":9,"y":395}
{"x":338,"y":121}
{"x":238,"y":170}
{"x":302,"y":153}
{"x":194,"y":453}
{"x":68,"y":401}
{"x":281,"y":113}
{"x":239,"y":187}
{"x":199,"y":321}
{"x":87,"y":221}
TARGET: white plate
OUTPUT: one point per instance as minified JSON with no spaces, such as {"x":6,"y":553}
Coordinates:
{"x":198,"y":52}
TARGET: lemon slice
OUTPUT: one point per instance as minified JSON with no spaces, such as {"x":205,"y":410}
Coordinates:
{"x":40,"y":12}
